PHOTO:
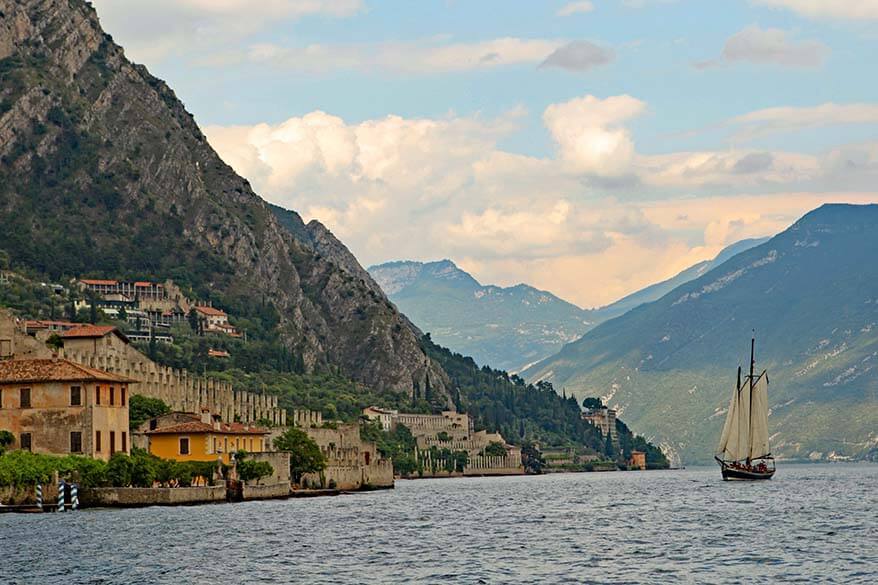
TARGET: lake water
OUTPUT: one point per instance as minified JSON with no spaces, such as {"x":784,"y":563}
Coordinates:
{"x":811,"y":523}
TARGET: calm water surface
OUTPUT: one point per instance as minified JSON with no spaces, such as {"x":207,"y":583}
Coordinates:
{"x":810,"y":524}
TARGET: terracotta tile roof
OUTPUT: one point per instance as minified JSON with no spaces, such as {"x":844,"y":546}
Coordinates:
{"x":197,"y":427}
{"x":218,"y":353}
{"x":97,"y":282}
{"x":54,"y":370}
{"x":145,"y":284}
{"x":40,"y":323}
{"x":211,"y":311}
{"x":92,"y":331}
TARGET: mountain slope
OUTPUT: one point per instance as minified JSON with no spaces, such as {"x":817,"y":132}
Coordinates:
{"x":656,"y":291}
{"x":507,"y":328}
{"x":104,"y":172}
{"x":811,"y":293}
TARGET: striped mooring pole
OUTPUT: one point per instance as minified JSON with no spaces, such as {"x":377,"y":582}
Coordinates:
{"x":39,"y":496}
{"x":74,"y":496}
{"x":61,"y":495}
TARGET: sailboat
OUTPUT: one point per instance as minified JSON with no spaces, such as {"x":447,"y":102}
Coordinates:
{"x":744,"y":452}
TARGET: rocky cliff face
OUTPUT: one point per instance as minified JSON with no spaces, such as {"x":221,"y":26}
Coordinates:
{"x":102,"y":170}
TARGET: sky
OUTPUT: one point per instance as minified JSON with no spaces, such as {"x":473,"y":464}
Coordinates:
{"x":588,"y":148}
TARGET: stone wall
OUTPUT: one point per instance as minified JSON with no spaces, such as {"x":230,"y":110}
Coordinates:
{"x":266,"y":491}
{"x":179,"y":389}
{"x":134,"y":497}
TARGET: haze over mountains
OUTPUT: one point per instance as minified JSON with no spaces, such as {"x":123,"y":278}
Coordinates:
{"x":811,"y":294}
{"x":506,"y":327}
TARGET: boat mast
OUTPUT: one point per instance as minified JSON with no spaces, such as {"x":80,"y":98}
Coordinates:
{"x":750,"y":417}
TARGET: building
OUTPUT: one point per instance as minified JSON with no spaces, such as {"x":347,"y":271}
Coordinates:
{"x":452,"y":431}
{"x":351,"y":462}
{"x":59,"y":407}
{"x":34,"y":326}
{"x":638,"y":460}
{"x":604,"y":419}
{"x":188,"y":437}
{"x":382,"y":415}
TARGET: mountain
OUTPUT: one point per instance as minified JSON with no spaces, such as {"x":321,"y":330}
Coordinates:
{"x":507,"y":328}
{"x":811,"y":294}
{"x":104,"y":172}
{"x":660,"y":289}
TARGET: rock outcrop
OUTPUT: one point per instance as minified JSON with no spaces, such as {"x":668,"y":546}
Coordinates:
{"x":102,"y":170}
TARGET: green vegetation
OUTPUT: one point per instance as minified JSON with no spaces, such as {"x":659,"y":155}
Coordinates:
{"x":140,"y":469}
{"x":398,"y":444}
{"x":250,"y":470}
{"x":7,"y":439}
{"x":143,"y":408}
{"x":305,"y":455}
{"x":495,"y":449}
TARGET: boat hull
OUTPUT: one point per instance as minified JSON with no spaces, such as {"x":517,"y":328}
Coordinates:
{"x":737,"y":473}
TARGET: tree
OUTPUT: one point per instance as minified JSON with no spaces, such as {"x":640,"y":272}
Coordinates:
{"x":305,"y":455}
{"x":123,"y":314}
{"x":141,"y":409}
{"x":193,"y":320}
{"x":495,"y":449}
{"x":592,"y":403}
{"x":532,"y":459}
{"x":6,"y":439}
{"x":249,"y":470}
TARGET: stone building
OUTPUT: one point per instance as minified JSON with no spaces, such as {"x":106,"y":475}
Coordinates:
{"x":605,"y":419}
{"x":59,"y":407}
{"x":108,"y":349}
{"x":453,"y":431}
{"x":638,"y":460}
{"x":351,"y":462}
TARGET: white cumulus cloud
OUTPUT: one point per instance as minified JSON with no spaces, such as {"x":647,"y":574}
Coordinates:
{"x":830,"y":9}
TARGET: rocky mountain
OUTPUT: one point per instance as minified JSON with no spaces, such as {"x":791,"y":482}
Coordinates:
{"x":811,"y":294}
{"x":104,"y":172}
{"x":507,"y":328}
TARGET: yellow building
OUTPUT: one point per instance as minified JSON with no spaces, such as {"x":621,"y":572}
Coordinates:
{"x":204,"y":439}
{"x":55,"y":406}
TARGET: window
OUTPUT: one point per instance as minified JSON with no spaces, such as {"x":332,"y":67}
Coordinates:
{"x":97,"y":441}
{"x":184,"y":445}
{"x":25,"y":398}
{"x":214,"y":444}
{"x":97,"y":394}
{"x":251,"y":445}
{"x":75,"y":442}
{"x":124,"y":442}
{"x":112,"y":442}
{"x":112,"y":396}
{"x":1,"y":397}
{"x":75,"y":396}
{"x":25,"y":441}
{"x":123,"y":392}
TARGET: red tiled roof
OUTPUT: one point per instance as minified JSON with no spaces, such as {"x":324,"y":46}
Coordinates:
{"x":97,"y":282}
{"x":53,"y":370}
{"x":91,"y":331}
{"x":43,"y":323}
{"x":197,"y":427}
{"x":218,"y":353}
{"x":144,"y":284}
{"x":211,"y":311}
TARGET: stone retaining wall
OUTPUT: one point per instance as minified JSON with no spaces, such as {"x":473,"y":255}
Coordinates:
{"x":264,"y":492}
{"x":134,"y":497}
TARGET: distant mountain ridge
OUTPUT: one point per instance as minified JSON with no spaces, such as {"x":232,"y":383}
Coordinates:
{"x":507,"y":328}
{"x":811,"y":293}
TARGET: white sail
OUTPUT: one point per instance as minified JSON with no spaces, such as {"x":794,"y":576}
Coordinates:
{"x":742,"y":448}
{"x":759,"y":419}
{"x":728,"y":441}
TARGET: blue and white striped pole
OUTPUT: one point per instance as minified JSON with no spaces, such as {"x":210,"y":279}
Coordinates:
{"x":39,"y":496}
{"x":74,"y":496}
{"x":61,"y":496}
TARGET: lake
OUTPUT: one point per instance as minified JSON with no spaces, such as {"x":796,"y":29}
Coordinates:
{"x":811,"y":523}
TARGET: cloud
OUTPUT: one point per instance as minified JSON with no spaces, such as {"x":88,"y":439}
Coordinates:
{"x":829,"y":9}
{"x":427,"y":188}
{"x":769,"y":46}
{"x":155,"y":30}
{"x":590,"y":134}
{"x":416,"y":57}
{"x":575,"y":8}
{"x":790,"y":119}
{"x":579,"y":56}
